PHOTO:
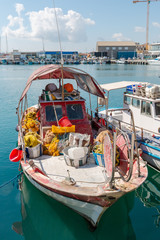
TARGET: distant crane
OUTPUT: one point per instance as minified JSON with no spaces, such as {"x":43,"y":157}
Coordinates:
{"x":147,"y":25}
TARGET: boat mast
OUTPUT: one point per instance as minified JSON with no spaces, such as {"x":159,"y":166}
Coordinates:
{"x":0,"y":44}
{"x":60,"y":50}
{"x":6,"y":44}
{"x":43,"y":45}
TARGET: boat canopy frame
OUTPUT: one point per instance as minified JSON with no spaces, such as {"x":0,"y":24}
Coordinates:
{"x":84,"y":80}
{"x":118,"y":85}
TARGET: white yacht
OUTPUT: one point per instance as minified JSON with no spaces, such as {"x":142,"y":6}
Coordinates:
{"x":121,"y":61}
{"x":155,"y":61}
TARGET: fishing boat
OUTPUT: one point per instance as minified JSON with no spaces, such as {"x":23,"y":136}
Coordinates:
{"x":58,"y":141}
{"x":143,"y":99}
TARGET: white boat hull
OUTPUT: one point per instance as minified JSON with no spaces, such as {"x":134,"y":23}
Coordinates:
{"x":152,"y":156}
{"x":89,"y":201}
{"x":153,"y":62}
{"x":91,"y":212}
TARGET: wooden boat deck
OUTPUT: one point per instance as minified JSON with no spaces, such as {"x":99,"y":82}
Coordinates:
{"x":56,"y":168}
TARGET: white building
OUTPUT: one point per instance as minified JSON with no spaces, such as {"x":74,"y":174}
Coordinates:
{"x":154,"y":49}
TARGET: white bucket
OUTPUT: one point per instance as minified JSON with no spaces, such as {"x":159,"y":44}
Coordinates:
{"x":34,"y":152}
{"x":75,"y":156}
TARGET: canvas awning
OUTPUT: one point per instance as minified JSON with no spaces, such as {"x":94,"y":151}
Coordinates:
{"x":83,"y":79}
{"x":118,"y":85}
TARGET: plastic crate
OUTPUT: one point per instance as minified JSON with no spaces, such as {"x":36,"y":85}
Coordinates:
{"x":99,"y":158}
{"x":61,"y":130}
{"x":131,"y":89}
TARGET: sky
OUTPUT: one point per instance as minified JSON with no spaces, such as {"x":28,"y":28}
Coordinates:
{"x":29,"y":25}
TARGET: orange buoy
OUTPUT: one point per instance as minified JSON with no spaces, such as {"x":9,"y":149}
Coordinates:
{"x":68,"y":87}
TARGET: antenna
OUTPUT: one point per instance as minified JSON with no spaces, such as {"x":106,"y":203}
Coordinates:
{"x":60,"y":50}
{"x":58,"y":32}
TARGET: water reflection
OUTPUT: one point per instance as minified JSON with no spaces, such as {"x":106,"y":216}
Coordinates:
{"x":45,"y":218}
{"x":149,"y":193}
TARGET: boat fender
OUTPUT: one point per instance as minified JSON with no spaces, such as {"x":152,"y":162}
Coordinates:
{"x":17,"y":128}
{"x":102,"y":121}
{"x":140,"y":152}
{"x":16,"y":154}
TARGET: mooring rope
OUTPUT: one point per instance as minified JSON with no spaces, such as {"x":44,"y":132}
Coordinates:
{"x":11,"y":180}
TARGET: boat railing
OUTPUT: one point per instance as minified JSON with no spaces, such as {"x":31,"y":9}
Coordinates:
{"x":20,"y":112}
{"x":133,"y":130}
{"x":130,"y":124}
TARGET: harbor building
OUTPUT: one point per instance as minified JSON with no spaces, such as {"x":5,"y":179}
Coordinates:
{"x":154,"y":50}
{"x":45,"y":54}
{"x":116,"y":49}
{"x":57,"y":55}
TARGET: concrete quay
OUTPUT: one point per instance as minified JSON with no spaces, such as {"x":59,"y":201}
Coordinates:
{"x":132,"y":61}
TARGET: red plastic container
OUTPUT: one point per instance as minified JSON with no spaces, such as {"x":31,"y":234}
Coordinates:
{"x":15,"y":155}
{"x":64,"y":122}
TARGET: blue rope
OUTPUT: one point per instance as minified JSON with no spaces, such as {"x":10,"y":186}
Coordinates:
{"x":11,"y":180}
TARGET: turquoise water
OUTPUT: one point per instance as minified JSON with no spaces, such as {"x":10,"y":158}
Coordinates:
{"x":30,"y":214}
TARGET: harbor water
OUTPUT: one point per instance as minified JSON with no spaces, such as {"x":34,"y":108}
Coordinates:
{"x":29,"y":214}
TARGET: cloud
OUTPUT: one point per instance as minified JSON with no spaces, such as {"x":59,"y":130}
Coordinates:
{"x":42,"y":24}
{"x":156,"y":24}
{"x":19,"y":7}
{"x":120,"y":37}
{"x":139,"y":29}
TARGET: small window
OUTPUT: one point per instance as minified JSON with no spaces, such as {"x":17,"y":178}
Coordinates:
{"x":145,"y":108}
{"x":136,"y":102}
{"x":107,"y":48}
{"x":119,"y":48}
{"x":127,"y":100}
{"x":50,"y":113}
{"x":126,"y":48}
{"x":113,"y":48}
{"x":157,"y":108}
{"x":74,"y":111}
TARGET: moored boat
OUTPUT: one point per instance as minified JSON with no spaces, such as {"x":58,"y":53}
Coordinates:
{"x":121,"y":61}
{"x":60,"y":157}
{"x":143,"y":99}
{"x":155,"y":61}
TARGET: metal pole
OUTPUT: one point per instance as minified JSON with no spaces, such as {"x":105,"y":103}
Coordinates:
{"x":147,"y":25}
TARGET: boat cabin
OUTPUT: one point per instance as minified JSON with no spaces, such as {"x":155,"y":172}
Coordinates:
{"x":63,"y":101}
{"x":144,"y":102}
{"x":146,"y":111}
{"x":52,"y":110}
